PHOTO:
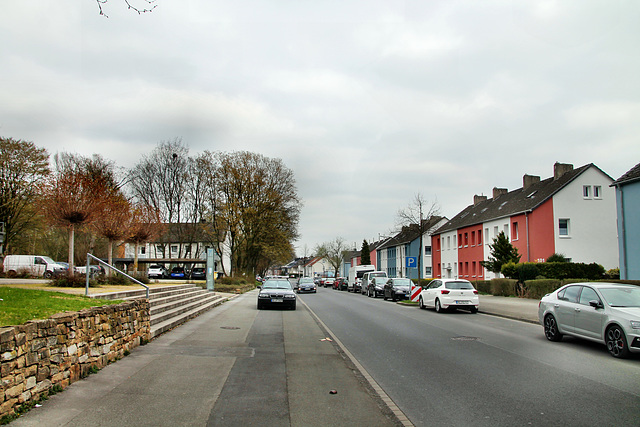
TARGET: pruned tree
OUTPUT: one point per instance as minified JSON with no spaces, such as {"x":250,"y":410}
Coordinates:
{"x":333,"y":252}
{"x":74,"y":194}
{"x":144,"y":225}
{"x":150,"y":5}
{"x":23,"y":169}
{"x":502,"y":252}
{"x":112,"y":221}
{"x":424,"y":215}
{"x":365,"y":253}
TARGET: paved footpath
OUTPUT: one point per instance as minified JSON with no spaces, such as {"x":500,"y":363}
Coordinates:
{"x":231,"y":366}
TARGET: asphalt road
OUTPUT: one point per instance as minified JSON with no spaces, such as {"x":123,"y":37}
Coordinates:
{"x":460,"y":369}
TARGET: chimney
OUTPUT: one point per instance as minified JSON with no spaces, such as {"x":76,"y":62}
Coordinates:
{"x":529,"y":180}
{"x":478,"y":199}
{"x":560,"y":169}
{"x":497,"y":192}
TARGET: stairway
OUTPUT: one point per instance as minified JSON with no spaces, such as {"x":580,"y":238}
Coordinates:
{"x":171,"y":305}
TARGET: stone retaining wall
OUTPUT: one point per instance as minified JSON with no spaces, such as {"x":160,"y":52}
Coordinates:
{"x":60,"y":350}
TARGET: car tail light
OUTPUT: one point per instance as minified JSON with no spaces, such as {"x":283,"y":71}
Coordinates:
{"x":475,"y":292}
{"x":444,"y":291}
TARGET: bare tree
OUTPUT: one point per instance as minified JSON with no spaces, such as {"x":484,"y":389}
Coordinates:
{"x":150,"y":5}
{"x":144,"y":225}
{"x":23,"y":168}
{"x":112,"y":221}
{"x":75,"y":193}
{"x":422,"y":213}
{"x":333,"y":252}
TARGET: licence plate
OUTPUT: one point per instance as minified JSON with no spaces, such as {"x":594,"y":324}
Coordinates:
{"x":463,"y":302}
{"x":277,"y":300}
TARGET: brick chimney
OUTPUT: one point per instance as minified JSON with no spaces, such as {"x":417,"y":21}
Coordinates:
{"x":478,"y":199}
{"x":497,"y":192}
{"x":560,"y":169}
{"x":529,"y":180}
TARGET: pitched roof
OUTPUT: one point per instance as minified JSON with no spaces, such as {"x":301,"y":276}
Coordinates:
{"x":409,"y":233}
{"x":513,"y":202}
{"x":632,"y":175}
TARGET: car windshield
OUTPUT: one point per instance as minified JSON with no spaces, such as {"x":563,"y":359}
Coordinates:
{"x":306,"y":281}
{"x":276,"y":284}
{"x":621,"y":297}
{"x":402,"y":282}
{"x":378,"y":275}
{"x":458,"y":285}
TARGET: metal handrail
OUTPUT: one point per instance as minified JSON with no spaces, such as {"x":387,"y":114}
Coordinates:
{"x":87,"y":273}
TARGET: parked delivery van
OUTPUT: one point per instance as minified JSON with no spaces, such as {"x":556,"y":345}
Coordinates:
{"x":35,"y":265}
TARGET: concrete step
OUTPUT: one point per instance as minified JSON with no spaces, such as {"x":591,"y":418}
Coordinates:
{"x":140,"y":292}
{"x":182,"y":316}
{"x":161,"y":305}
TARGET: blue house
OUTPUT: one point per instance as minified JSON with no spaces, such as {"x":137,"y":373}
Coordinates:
{"x":628,"y":207}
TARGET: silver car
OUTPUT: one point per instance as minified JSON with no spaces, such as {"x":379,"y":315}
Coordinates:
{"x":608,"y":313}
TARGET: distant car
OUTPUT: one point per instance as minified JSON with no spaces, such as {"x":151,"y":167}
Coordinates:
{"x":94,"y":270}
{"x":608,"y":313}
{"x":397,"y":288}
{"x":276,"y":293}
{"x":328,"y":282}
{"x":157,"y":271}
{"x":366,"y":278}
{"x":443,"y":294}
{"x":340,"y":284}
{"x":178,"y":273}
{"x":376,"y":287}
{"x":306,"y":284}
{"x":198,"y":273}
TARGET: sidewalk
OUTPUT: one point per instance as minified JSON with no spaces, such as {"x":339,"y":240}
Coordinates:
{"x":523,"y":309}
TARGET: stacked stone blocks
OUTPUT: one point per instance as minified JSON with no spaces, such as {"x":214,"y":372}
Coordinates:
{"x":58,"y":351}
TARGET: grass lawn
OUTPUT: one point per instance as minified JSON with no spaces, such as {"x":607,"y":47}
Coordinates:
{"x":21,"y":305}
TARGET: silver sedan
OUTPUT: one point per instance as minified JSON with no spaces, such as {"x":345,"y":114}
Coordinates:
{"x":608,"y":313}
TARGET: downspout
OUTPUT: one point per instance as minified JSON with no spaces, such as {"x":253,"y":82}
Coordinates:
{"x":623,"y":234}
{"x":526,"y":222}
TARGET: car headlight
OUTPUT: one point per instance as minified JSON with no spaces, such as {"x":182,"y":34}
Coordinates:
{"x":263,"y":296}
{"x":635,"y":324}
{"x":289,"y":296}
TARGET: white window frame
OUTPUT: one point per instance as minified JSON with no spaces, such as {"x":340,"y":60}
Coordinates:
{"x":586,"y":192}
{"x":597,"y":192}
{"x":567,"y":228}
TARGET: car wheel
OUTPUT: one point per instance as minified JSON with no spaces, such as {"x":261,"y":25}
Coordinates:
{"x":551,"y":328}
{"x":474,"y":310}
{"x":293,"y":307}
{"x":48,"y":274}
{"x":439,"y":308}
{"x":259,"y":306}
{"x":393,"y":298}
{"x":385,"y":296}
{"x":617,"y":342}
{"x":421,"y":304}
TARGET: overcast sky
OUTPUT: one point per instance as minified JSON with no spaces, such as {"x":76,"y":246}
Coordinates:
{"x":368,"y":101}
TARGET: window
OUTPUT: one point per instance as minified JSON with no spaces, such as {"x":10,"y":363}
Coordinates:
{"x":427,"y":271}
{"x":486,"y":235}
{"x":473,"y":238}
{"x":479,"y":237}
{"x":174,"y":249}
{"x":495,"y":231}
{"x":454,"y":241}
{"x":514,"y":231}
{"x":570,"y":294}
{"x":597,"y":192}
{"x":427,"y":250}
{"x":587,"y":295}
{"x":563,"y":227}
{"x":460,"y":240}
{"x":466,"y":239}
{"x":506,"y":230}
{"x":448,"y":242}
{"x":143,"y":249}
{"x":586,"y":191}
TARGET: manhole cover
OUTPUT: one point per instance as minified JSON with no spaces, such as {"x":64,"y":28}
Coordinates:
{"x":229,"y":327}
{"x":465,"y":338}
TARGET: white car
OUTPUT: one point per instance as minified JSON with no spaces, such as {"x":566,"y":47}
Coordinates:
{"x":443,"y":294}
{"x":607,"y":313}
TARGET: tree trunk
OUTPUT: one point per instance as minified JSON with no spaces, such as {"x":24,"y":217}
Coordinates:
{"x":135,"y":260}
{"x":109,"y":256}
{"x":71,"y":246}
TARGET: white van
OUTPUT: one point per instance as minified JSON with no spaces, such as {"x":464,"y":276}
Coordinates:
{"x":35,"y":265}
{"x":355,"y":276}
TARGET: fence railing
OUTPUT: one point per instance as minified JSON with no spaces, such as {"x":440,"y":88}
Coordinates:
{"x":88,"y":274}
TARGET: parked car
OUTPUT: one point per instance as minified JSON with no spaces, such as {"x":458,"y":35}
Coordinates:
{"x":376,"y":287}
{"x":443,"y":294}
{"x":35,"y":265}
{"x":276,"y":293}
{"x":397,"y":288}
{"x":306,"y":284}
{"x":366,"y":278}
{"x":328,"y":282}
{"x":607,"y":313}
{"x":178,"y":273}
{"x":341,"y":284}
{"x":157,"y":271}
{"x":198,"y":273}
{"x":94,"y":270}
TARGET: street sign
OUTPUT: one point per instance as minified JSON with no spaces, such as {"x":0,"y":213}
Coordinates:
{"x":412,"y":262}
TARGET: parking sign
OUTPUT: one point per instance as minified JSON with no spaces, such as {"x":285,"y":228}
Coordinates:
{"x":412,"y":262}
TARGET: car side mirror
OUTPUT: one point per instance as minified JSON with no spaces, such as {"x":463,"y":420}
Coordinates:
{"x":259,"y":286}
{"x":596,"y":304}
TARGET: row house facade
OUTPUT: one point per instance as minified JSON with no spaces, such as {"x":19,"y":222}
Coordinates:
{"x":393,"y":252}
{"x":628,"y":206}
{"x":572,"y":213}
